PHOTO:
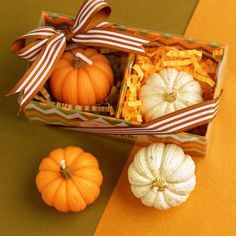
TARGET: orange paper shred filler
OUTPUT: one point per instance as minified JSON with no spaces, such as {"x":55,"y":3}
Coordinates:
{"x":159,"y":58}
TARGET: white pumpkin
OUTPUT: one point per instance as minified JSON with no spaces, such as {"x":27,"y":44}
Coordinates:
{"x":168,"y":91}
{"x":162,"y":176}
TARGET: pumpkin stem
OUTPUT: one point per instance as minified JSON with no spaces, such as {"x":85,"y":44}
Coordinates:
{"x":159,"y":184}
{"x":170,"y":95}
{"x":80,"y":59}
{"x":78,"y":63}
{"x":65,"y":170}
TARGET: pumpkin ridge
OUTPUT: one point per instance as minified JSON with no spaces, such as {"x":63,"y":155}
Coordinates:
{"x":156,"y":198}
{"x":62,"y":66}
{"x":194,"y":96}
{"x":87,"y":52}
{"x":110,"y":81}
{"x":166,"y":199}
{"x":100,"y":57}
{"x":47,"y":159}
{"x":94,"y":91}
{"x":177,"y":74}
{"x":58,"y":164}
{"x":50,"y":183}
{"x":85,"y":168}
{"x":182,"y":100}
{"x":78,"y":156}
{"x":67,"y":56}
{"x":164,"y":81}
{"x":143,"y":163}
{"x":56,"y":189}
{"x":147,"y":111}
{"x":78,"y":192}
{"x":54,"y":162}
{"x":181,"y":163}
{"x":91,"y":158}
{"x":85,"y":179}
{"x":68,"y":195}
{"x":77,"y":151}
{"x":107,"y":85}
{"x":59,"y":186}
{"x":177,"y":198}
{"x":181,"y":186}
{"x":82,"y":177}
{"x":176,"y":182}
{"x":166,"y":103}
{"x":175,"y":192}
{"x":95,"y":197}
{"x":143,"y":175}
{"x":57,"y":69}
{"x":147,"y":158}
{"x":175,"y":105}
{"x":138,"y":171}
{"x":54,"y":77}
{"x":167,"y":107}
{"x":140,"y":174}
{"x":186,"y":84}
{"x":90,"y":174}
{"x":163,"y":159}
{"x":132,"y":170}
{"x":63,"y":84}
{"x":77,"y":95}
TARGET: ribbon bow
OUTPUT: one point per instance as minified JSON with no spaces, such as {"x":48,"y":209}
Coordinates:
{"x":49,"y":44}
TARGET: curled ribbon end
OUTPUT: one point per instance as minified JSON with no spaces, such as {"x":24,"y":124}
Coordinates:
{"x":9,"y":93}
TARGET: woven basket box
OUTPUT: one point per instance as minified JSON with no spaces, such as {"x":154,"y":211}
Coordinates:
{"x":194,"y":142}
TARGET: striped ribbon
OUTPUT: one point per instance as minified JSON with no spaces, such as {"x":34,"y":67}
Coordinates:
{"x":89,"y":28}
{"x":176,"y":122}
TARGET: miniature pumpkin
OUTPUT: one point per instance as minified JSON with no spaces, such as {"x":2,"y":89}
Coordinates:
{"x":85,"y":81}
{"x":162,"y":176}
{"x":167,"y":92}
{"x":69,"y":179}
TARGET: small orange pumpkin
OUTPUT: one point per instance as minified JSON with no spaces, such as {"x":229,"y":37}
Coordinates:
{"x":74,"y":81}
{"x":69,"y":179}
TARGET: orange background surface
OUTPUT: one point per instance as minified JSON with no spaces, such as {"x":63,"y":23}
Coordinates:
{"x":211,"y":208}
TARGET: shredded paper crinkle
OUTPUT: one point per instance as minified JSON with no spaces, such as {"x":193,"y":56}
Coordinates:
{"x":201,"y":67}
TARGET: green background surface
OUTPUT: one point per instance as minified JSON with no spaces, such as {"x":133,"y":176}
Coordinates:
{"x":23,"y":145}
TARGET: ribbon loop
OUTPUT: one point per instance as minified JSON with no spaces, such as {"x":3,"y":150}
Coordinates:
{"x":92,"y":13}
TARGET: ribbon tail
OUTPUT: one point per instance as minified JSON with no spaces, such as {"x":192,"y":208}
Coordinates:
{"x":40,"y":70}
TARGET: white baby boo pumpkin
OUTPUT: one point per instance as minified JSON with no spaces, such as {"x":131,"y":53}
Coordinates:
{"x":167,"y":92}
{"x":162,"y":176}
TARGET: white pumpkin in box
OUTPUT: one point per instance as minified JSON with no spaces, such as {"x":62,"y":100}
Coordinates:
{"x":162,"y":176}
{"x":167,"y":92}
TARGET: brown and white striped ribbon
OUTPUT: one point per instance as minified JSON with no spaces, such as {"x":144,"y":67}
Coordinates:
{"x":179,"y":121}
{"x":89,"y":28}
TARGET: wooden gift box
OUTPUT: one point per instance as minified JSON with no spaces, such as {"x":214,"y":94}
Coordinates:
{"x":194,"y":142}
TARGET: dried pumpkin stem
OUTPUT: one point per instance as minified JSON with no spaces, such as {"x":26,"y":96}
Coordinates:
{"x":159,"y":184}
{"x":65,"y":170}
{"x":78,"y":63}
{"x":170,"y":96}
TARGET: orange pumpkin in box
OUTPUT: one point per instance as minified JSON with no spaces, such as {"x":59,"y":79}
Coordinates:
{"x":82,"y":77}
